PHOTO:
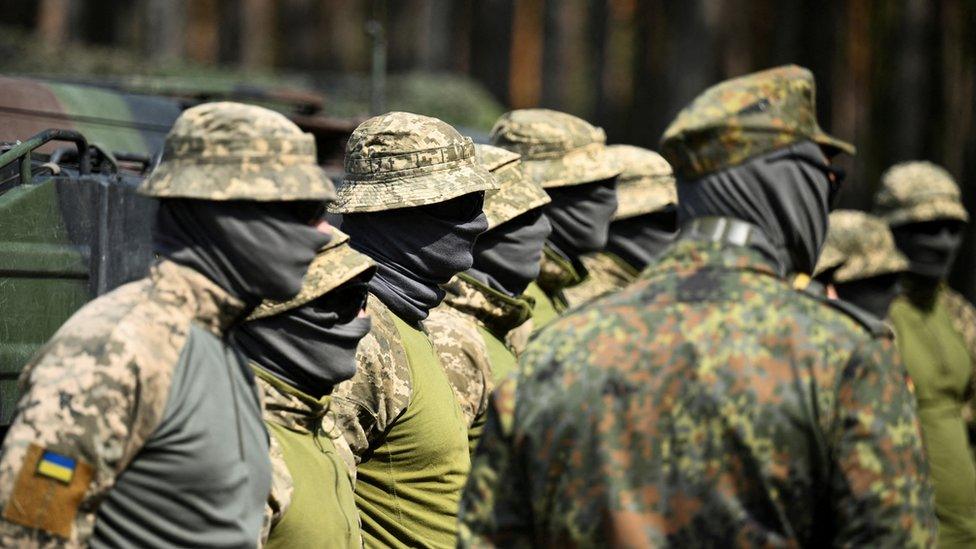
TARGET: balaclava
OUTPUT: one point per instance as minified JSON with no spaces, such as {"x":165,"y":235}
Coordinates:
{"x":874,"y":294}
{"x":253,"y":250}
{"x":580,"y":217}
{"x":311,"y":347}
{"x":506,"y":258}
{"x":784,"y":193}
{"x":931,"y":247}
{"x":417,"y":249}
{"x":640,"y":240}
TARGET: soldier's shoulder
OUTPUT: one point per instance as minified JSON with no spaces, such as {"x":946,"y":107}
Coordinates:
{"x":123,"y":327}
{"x":383,"y":369}
{"x":845,"y":316}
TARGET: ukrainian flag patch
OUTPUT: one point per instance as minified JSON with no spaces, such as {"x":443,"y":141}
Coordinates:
{"x":56,"y":466}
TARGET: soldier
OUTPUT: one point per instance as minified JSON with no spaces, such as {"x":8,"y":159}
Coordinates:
{"x":139,"y":426}
{"x":709,"y":403}
{"x":412,"y":201}
{"x":860,"y":261}
{"x":483,"y":304}
{"x":300,"y":349}
{"x":568,"y":157}
{"x":936,"y":329}
{"x":645,"y":224}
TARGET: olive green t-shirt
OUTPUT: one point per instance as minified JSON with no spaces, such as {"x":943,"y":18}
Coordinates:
{"x":408,"y":489}
{"x":940,"y":368}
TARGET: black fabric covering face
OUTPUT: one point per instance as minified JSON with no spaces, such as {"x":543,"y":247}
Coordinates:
{"x":930,"y":246}
{"x":312,"y":347}
{"x":642,"y":239}
{"x":417,"y":249}
{"x":580,"y":217}
{"x":507,"y":257}
{"x":874,"y":294}
{"x":253,"y":250}
{"x":785,"y":197}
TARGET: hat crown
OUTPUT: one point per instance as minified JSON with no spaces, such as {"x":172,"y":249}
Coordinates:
{"x":639,"y":163}
{"x":234,"y":151}
{"x":542,"y":133}
{"x":401,"y":140}
{"x":516,"y":194}
{"x":918,"y":191}
{"x":646,"y":183}
{"x":861,"y":245}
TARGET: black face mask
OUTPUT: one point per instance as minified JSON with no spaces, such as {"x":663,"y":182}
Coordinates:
{"x":785,"y":193}
{"x":312,"y":347}
{"x":507,"y":257}
{"x":417,"y":250}
{"x":874,"y":294}
{"x":580,"y":217}
{"x":931,"y":246}
{"x":253,"y":250}
{"x":642,"y":239}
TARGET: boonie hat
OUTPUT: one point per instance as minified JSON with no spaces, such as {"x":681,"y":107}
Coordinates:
{"x":558,"y":149}
{"x":233,"y":151}
{"x":515,"y":194}
{"x":646,"y":183}
{"x":914,"y":192}
{"x":402,"y":160}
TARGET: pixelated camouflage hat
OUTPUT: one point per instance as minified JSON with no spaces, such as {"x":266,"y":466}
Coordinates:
{"x":646,"y":183}
{"x":859,"y":246}
{"x":232,"y":151}
{"x":741,"y":118}
{"x":401,"y":160}
{"x":557,"y":149}
{"x":516,"y":194}
{"x":335,"y":264}
{"x":913,"y":192}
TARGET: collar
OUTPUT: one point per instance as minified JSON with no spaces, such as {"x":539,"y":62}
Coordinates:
{"x":209,"y":304}
{"x":289,"y":407}
{"x":692,"y":254}
{"x":556,"y":273}
{"x":498,"y":312}
{"x":738,"y":233}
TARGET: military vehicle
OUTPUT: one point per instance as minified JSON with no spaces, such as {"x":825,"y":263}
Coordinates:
{"x":71,"y":225}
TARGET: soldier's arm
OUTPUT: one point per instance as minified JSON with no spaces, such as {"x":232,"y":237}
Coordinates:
{"x":282,"y":487}
{"x":881,"y":494}
{"x":84,"y":413}
{"x":365,"y":406}
{"x":493,"y":511}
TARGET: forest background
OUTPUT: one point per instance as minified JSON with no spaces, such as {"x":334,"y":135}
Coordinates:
{"x":896,"y":77}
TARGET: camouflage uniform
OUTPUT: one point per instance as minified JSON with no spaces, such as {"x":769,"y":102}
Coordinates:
{"x":708,"y":403}
{"x":117,"y":391}
{"x":411,"y":453}
{"x":859,"y":246}
{"x":557,"y":150}
{"x":290,"y":414}
{"x":937,"y":340}
{"x":645,"y":186}
{"x":468,"y":328}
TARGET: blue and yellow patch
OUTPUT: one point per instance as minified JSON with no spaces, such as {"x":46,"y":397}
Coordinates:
{"x":56,"y":466}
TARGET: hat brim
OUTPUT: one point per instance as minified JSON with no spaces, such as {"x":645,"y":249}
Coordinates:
{"x":928,"y":211}
{"x":583,"y":165}
{"x":832,"y":145}
{"x":515,"y":196}
{"x":260,"y":182}
{"x":356,"y":196}
{"x":331,"y":268}
{"x":643,"y":196}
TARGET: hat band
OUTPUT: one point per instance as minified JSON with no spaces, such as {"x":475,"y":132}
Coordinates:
{"x":414,"y":160}
{"x":195,"y":148}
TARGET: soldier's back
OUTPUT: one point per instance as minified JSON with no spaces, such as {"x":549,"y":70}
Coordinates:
{"x":711,"y":403}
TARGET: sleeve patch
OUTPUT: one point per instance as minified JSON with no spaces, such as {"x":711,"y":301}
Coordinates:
{"x":48,"y":491}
